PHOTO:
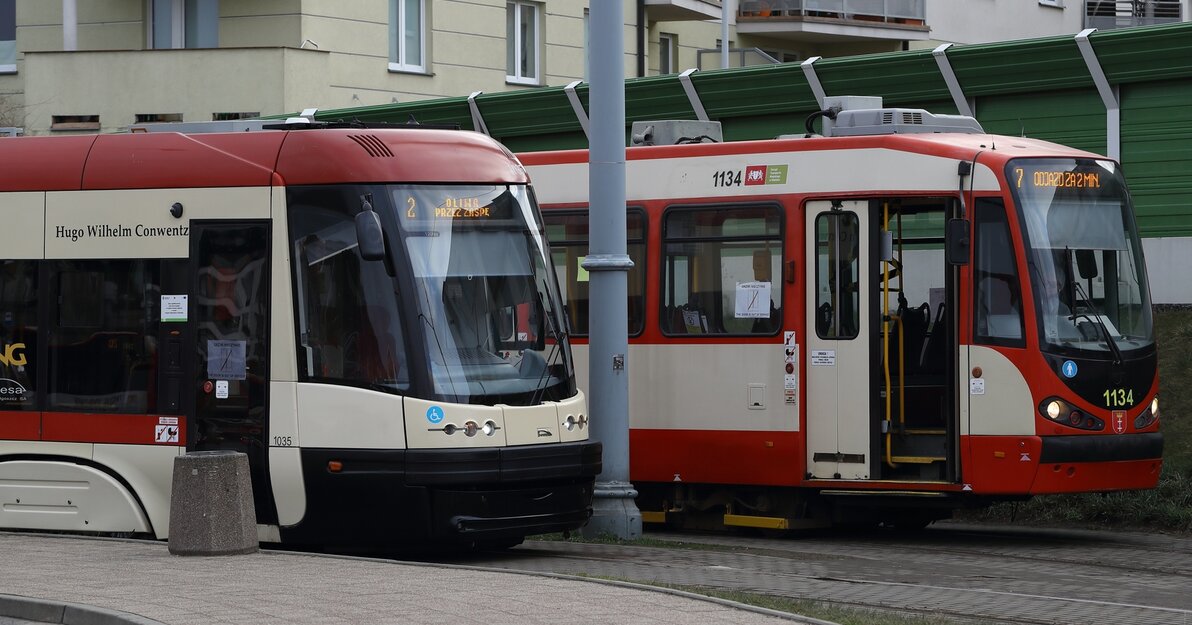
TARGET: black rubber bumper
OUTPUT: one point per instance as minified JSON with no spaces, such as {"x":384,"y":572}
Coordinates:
{"x":384,"y":499}
{"x":1107,"y":448}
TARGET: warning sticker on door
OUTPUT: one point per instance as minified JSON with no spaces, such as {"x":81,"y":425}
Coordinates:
{"x":823,"y":358}
{"x":165,"y":434}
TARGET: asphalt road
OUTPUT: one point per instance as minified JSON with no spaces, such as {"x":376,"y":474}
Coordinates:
{"x":1004,"y":575}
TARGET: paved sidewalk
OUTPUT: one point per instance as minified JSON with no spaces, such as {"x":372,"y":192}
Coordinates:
{"x":143,"y":579}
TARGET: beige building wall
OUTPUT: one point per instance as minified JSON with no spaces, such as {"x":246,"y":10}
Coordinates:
{"x":118,"y":85}
{"x":277,"y":56}
{"x":984,"y":21}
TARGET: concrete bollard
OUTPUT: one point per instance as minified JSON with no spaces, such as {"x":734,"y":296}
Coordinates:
{"x":211,"y":506}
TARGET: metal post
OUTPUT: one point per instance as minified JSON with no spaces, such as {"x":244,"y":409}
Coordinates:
{"x":725,"y":7}
{"x":70,"y":25}
{"x":608,"y":390}
{"x":1109,"y":95}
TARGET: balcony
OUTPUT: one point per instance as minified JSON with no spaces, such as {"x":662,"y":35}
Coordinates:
{"x":112,"y":89}
{"x":834,"y":20}
{"x":682,"y":10}
{"x":1104,"y":15}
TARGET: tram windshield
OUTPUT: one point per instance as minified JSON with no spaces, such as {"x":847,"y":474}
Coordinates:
{"x":1084,"y":254}
{"x":488,"y":307}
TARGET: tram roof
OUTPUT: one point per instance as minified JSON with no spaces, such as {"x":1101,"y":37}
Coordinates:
{"x":258,"y":158}
{"x":995,"y":150}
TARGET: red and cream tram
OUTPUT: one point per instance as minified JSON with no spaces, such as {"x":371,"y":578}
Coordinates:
{"x":881,"y":325}
{"x":369,"y":314}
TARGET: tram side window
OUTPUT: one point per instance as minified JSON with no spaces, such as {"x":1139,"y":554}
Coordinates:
{"x":721,"y":270}
{"x":18,"y":335}
{"x":103,"y":335}
{"x":837,"y":306}
{"x":999,"y":299}
{"x":349,"y":323}
{"x":568,"y":235}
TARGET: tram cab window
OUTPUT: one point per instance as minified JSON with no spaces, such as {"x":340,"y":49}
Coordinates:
{"x":18,"y":335}
{"x":349,"y":324}
{"x":103,"y":350}
{"x":995,"y":272}
{"x":720,"y":270}
{"x":569,"y":235}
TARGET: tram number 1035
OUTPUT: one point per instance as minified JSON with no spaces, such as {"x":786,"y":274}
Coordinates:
{"x":1119,"y":398}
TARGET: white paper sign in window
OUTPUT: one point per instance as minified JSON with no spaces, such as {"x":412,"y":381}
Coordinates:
{"x":753,"y":300}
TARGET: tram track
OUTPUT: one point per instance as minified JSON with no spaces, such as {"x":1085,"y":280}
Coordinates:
{"x":980,"y":574}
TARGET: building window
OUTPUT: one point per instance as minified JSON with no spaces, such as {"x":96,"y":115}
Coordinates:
{"x":407,"y":26}
{"x":666,"y":53}
{"x":158,"y":118}
{"x":8,"y":36}
{"x":521,"y":61}
{"x":183,"y":24}
{"x":225,"y":117}
{"x":74,"y":122}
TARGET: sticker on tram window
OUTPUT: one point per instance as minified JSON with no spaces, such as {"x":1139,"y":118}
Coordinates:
{"x":1069,"y":369}
{"x":11,"y":391}
{"x":173,"y":308}
{"x":226,"y":360}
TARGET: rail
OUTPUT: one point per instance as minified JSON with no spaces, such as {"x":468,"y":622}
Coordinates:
{"x":1107,"y":14}
{"x":888,"y":11}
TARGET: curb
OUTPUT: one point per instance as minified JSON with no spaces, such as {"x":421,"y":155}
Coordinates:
{"x":65,"y":613}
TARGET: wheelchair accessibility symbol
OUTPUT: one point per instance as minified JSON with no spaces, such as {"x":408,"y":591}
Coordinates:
{"x":434,"y":414}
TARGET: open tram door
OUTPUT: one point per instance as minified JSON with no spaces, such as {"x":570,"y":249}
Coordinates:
{"x":881,"y":392}
{"x":230,"y":315}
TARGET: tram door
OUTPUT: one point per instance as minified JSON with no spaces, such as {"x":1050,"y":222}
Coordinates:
{"x":231,"y":309}
{"x":838,"y":342}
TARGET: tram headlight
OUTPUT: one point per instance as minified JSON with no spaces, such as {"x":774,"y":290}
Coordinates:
{"x":1148,"y":416}
{"x":489,"y":428}
{"x":470,"y":428}
{"x":1059,"y":411}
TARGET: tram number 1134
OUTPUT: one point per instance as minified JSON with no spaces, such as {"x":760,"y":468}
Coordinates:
{"x":726,"y":178}
{"x":1119,"y":398}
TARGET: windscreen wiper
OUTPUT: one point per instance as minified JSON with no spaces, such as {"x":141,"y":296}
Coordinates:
{"x":1097,"y":321}
{"x":556,"y":349}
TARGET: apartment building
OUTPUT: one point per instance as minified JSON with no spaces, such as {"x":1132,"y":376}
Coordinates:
{"x":101,"y":65}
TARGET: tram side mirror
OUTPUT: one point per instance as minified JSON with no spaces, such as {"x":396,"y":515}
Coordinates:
{"x":368,"y":233}
{"x":956,"y":241}
{"x":1086,"y":264}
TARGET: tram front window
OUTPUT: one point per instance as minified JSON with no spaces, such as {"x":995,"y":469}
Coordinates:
{"x":1084,"y":255}
{"x":487,"y":302}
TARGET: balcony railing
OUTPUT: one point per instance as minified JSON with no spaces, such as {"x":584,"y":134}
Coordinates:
{"x":738,"y":57}
{"x":911,"y":12}
{"x":1106,"y":14}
